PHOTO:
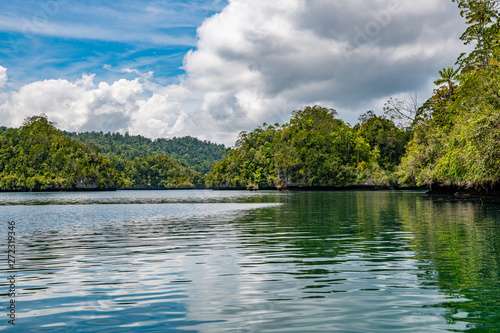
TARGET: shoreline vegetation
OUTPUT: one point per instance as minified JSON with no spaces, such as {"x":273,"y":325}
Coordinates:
{"x":39,"y":157}
{"x":448,"y":145}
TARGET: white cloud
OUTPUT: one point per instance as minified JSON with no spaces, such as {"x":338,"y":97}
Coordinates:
{"x":78,"y":105}
{"x":3,"y":76}
{"x":147,"y":75}
{"x":258,"y":60}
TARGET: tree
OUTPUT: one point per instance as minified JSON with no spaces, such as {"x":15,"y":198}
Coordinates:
{"x":406,"y":112}
{"x":251,"y":162}
{"x":383,"y":135}
{"x":458,"y":145}
{"x":482,"y":17}
{"x":160,"y":172}
{"x":188,"y":151}
{"x":39,"y":157}
{"x":447,"y":75}
{"x":314,"y":148}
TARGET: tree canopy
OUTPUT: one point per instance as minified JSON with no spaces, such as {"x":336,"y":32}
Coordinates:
{"x":314,"y":149}
{"x":38,"y":157}
{"x":190,"y":152}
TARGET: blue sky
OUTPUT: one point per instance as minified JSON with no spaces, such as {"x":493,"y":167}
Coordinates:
{"x":63,"y":39}
{"x":211,"y":69}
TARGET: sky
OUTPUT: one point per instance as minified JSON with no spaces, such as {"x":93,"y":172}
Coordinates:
{"x":213,"y":68}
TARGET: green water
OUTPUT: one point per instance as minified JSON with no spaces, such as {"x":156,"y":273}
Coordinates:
{"x":208,"y":261}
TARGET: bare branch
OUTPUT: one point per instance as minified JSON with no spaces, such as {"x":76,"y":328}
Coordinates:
{"x":402,"y":111}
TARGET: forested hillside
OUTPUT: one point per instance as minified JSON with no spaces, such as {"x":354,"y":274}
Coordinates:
{"x":190,"y":152}
{"x":314,"y":149}
{"x":456,"y":144}
{"x":160,"y":172}
{"x":451,"y":141}
{"x":37,"y":156}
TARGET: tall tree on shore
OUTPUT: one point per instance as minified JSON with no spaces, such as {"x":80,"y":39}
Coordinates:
{"x":457,"y":145}
{"x":482,"y":17}
{"x":404,"y":112}
{"x":447,"y":76}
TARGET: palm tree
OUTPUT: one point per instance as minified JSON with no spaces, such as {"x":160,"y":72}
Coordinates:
{"x":448,"y":75}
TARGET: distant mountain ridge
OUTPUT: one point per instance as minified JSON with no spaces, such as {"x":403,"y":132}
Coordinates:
{"x":189,"y":151}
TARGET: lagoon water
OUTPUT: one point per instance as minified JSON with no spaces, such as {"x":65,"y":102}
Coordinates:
{"x":238,"y":261}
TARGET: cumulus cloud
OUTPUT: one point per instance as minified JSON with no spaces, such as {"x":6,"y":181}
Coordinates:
{"x":320,"y":50}
{"x":258,"y":60}
{"x":3,"y":76}
{"x":79,"y":105}
{"x":83,"y":105}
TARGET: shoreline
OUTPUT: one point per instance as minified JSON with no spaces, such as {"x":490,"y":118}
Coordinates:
{"x":61,"y":190}
{"x":464,"y":192}
{"x":324,"y":188}
{"x":436,"y":191}
{"x":106,"y":190}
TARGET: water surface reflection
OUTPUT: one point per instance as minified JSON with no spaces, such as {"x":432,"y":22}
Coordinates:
{"x":206,"y":261}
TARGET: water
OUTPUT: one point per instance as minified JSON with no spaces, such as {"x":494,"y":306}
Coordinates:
{"x":209,"y":261}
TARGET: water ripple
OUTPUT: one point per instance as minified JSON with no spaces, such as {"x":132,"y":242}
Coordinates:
{"x":201,"y":261}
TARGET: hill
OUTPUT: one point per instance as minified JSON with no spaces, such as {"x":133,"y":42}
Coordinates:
{"x":38,"y":157}
{"x":315,"y":149}
{"x":455,"y":147}
{"x":190,"y":152}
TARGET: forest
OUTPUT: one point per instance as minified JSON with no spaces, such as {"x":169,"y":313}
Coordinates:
{"x":314,"y":149}
{"x":450,"y":141}
{"x":188,"y":151}
{"x":457,"y":130}
{"x":39,"y":157}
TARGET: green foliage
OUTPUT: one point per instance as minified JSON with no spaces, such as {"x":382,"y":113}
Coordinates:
{"x":447,"y":75}
{"x":482,"y":33}
{"x":190,"y":152}
{"x":457,"y":144}
{"x":318,"y":149}
{"x":160,"y":172}
{"x":462,"y":151}
{"x":315,"y":148}
{"x":250,"y":162}
{"x":382,"y":134}
{"x":424,"y":150}
{"x":38,"y":157}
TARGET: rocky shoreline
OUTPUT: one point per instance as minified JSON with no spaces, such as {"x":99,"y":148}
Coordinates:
{"x":323,"y":188}
{"x":63,"y":190}
{"x":465,"y":191}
